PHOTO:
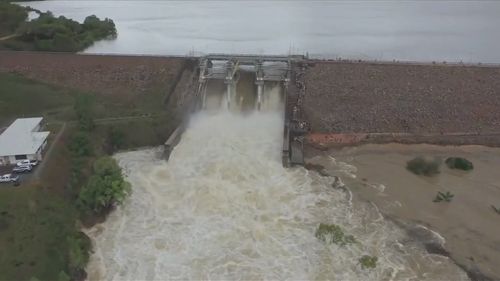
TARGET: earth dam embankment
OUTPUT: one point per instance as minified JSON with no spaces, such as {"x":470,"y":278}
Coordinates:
{"x":409,"y":103}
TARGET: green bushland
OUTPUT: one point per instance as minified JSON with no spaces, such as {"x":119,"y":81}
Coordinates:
{"x":332,"y":233}
{"x":422,"y":166}
{"x":105,"y":189}
{"x":50,"y":33}
{"x":11,"y":17}
{"x":459,"y":163}
{"x":44,"y":218}
{"x":368,"y":261}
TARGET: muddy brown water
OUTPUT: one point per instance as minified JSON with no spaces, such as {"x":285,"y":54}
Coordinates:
{"x":468,"y":224}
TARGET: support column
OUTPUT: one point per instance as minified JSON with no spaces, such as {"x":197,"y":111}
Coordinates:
{"x":259,"y":73}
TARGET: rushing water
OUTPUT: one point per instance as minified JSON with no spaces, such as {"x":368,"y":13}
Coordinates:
{"x":224,"y":208}
{"x":385,"y":30}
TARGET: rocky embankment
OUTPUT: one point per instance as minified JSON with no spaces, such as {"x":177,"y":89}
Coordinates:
{"x":107,"y":74}
{"x":433,"y":103}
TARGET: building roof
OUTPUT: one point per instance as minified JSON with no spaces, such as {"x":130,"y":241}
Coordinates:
{"x":21,"y":138}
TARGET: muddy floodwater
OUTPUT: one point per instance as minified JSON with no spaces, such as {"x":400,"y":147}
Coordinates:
{"x":383,"y":30}
{"x":223,"y":207}
{"x":468,"y":224}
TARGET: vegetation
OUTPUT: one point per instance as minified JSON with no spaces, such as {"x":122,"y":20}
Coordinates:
{"x":80,"y":145}
{"x":50,"y":33}
{"x":443,"y":197}
{"x":459,"y":163}
{"x":37,"y":230}
{"x":368,"y":261}
{"x":496,"y":209}
{"x":83,"y":109}
{"x":332,"y":233}
{"x":115,"y":140}
{"x":422,"y":166}
{"x":24,"y":97}
{"x":105,"y":188}
{"x":44,"y":218}
{"x":11,"y":17}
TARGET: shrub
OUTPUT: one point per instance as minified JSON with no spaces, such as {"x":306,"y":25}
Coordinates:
{"x":83,"y":109}
{"x":79,"y":246}
{"x":115,"y":139}
{"x":368,"y":261}
{"x":105,"y":188}
{"x":459,"y":163}
{"x":446,"y":197}
{"x":422,"y":166}
{"x":80,"y":145}
{"x":332,"y":233}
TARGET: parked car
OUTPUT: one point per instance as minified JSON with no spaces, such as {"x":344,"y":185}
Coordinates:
{"x":27,"y":162}
{"x":9,"y":178}
{"x":22,"y":169}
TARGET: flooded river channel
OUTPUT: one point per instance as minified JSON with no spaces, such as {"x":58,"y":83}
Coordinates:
{"x":223,"y":207}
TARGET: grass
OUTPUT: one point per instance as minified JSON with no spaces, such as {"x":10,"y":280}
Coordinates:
{"x":22,"y":97}
{"x":34,"y":227}
{"x":422,"y":166}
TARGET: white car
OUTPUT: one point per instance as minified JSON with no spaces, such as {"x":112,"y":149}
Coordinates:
{"x":27,"y":163}
{"x":9,"y":178}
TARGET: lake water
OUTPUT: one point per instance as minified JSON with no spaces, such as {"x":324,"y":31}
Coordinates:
{"x":466,"y":31}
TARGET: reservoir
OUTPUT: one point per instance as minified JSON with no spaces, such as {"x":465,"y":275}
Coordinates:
{"x":428,"y":31}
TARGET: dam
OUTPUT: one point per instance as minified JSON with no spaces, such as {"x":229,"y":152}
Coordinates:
{"x":224,"y":206}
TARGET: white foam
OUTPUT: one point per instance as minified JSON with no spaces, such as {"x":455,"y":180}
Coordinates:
{"x":224,"y":208}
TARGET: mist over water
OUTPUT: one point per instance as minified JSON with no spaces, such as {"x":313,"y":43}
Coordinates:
{"x":224,"y":208}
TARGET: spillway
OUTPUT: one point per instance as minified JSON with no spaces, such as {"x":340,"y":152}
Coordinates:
{"x":224,"y":208}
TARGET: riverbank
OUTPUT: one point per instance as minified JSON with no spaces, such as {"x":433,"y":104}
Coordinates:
{"x":468,"y":224}
{"x":42,"y":216}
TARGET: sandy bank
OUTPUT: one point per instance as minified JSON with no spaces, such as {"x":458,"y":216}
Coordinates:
{"x":469,"y":225}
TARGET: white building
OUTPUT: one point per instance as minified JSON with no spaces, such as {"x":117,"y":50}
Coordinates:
{"x":22,"y":140}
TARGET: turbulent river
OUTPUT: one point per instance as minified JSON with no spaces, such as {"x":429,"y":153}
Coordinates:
{"x":224,"y":208}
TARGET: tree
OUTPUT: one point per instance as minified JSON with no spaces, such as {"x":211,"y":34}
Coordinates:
{"x":11,"y":17}
{"x":422,"y":166}
{"x":80,"y":145}
{"x":83,"y":109}
{"x":105,"y":188}
{"x":115,"y":139}
{"x":79,"y":246}
{"x":459,"y":163}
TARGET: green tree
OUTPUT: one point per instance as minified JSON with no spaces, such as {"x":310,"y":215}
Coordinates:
{"x":115,"y":139}
{"x":459,"y":163}
{"x":83,"y":109}
{"x":105,"y":188}
{"x":11,"y":17}
{"x":80,"y":144}
{"x":63,"y":276}
{"x":422,"y":166}
{"x":79,"y":246}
